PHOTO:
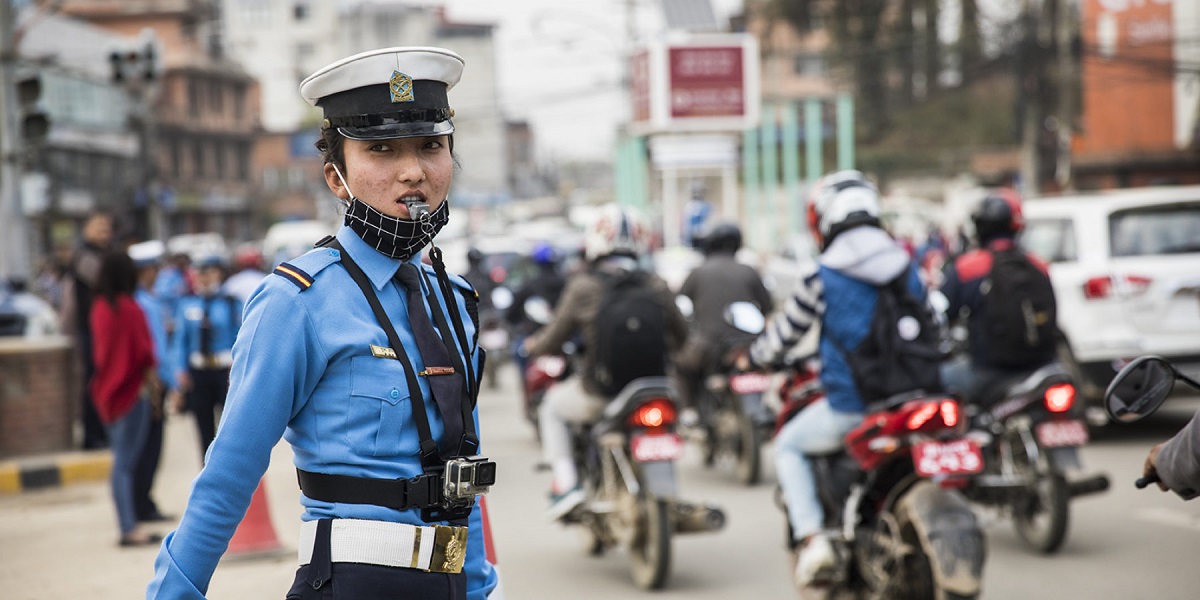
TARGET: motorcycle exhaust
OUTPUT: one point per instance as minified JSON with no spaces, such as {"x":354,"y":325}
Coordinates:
{"x":1090,"y":485}
{"x":695,"y":518}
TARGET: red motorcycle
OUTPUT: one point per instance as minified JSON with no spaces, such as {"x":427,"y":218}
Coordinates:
{"x":899,"y":528}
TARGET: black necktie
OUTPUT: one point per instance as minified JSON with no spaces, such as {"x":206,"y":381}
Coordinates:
{"x":206,"y":330}
{"x":445,"y":381}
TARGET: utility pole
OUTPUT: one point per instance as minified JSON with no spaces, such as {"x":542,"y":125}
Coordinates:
{"x":1067,"y":16}
{"x":14,"y":234}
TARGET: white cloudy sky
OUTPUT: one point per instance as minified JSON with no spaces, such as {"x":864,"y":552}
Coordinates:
{"x":558,"y":65}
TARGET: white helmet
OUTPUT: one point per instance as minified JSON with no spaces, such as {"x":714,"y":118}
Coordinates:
{"x":839,"y":201}
{"x":615,"y":229}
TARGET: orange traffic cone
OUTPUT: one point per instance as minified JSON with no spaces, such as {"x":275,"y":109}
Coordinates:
{"x":255,"y":536}
{"x":489,"y":551}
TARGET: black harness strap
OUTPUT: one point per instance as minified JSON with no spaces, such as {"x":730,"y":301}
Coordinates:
{"x":469,"y":444}
{"x":439,"y":267}
{"x":401,"y":494}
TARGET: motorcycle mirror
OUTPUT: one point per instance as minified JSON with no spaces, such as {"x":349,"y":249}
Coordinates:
{"x":538,"y":310}
{"x":745,"y":317}
{"x":686,"y":308}
{"x":502,"y":298}
{"x":1139,"y":389}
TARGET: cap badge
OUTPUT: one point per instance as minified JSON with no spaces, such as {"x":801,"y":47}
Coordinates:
{"x":401,"y":87}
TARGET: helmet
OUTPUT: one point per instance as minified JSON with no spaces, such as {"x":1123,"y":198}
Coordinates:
{"x":544,"y":254}
{"x":210,"y":260}
{"x":998,"y":215}
{"x":721,"y":237}
{"x":840,"y":201}
{"x":474,"y":256}
{"x":248,"y":257}
{"x":615,"y":230}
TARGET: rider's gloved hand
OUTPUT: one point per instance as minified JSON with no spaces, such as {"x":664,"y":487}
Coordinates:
{"x":1150,"y":470}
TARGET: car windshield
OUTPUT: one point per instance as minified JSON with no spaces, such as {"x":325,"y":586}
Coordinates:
{"x":1173,"y":229}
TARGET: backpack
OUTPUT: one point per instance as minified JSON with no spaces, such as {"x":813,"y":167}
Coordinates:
{"x":1018,"y":313}
{"x":899,"y":353}
{"x":630,"y":329}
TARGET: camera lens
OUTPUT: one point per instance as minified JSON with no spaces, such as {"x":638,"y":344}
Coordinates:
{"x":485,"y":474}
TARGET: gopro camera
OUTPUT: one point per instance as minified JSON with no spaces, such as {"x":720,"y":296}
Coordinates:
{"x":465,"y":478}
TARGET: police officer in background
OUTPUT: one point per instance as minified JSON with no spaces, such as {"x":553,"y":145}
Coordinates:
{"x":201,"y":348}
{"x":365,"y":360}
{"x":147,"y":257}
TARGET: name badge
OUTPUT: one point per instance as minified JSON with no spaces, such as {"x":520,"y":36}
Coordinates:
{"x":383,"y":352}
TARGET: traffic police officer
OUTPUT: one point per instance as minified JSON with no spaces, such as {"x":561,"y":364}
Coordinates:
{"x":201,"y":348}
{"x":365,"y":360}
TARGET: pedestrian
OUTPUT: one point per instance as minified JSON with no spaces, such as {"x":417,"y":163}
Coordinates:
{"x":79,"y":287}
{"x":248,"y":265}
{"x":124,"y":379}
{"x":201,"y":349}
{"x":147,"y":256}
{"x":338,"y":354}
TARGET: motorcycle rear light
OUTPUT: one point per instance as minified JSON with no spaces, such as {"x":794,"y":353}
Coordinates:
{"x":922,"y":415}
{"x":657,"y":412}
{"x":1060,"y":398}
{"x":1098,"y":288}
{"x":950,"y":413}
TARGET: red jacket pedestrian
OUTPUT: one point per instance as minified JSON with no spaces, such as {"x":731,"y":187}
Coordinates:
{"x":123,"y":350}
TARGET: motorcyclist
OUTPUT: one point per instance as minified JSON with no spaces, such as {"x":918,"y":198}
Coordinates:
{"x":611,"y":245}
{"x":998,"y":221}
{"x":547,"y":283}
{"x":712,"y":287}
{"x":479,"y":278}
{"x":838,"y":293}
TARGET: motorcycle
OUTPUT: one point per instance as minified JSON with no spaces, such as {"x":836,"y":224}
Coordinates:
{"x":898,"y":531}
{"x":493,"y":335}
{"x":1030,"y":437}
{"x":1138,"y":391}
{"x":626,"y":463}
{"x":545,"y":370}
{"x":734,"y":419}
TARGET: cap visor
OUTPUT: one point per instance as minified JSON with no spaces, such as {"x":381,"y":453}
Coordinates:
{"x":397,"y":130}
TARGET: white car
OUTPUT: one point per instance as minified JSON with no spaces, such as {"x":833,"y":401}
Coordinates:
{"x":1125,"y":265}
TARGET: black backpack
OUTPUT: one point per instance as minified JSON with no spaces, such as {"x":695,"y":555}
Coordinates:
{"x":630,"y":338}
{"x":1018,"y":314}
{"x":900,"y":352}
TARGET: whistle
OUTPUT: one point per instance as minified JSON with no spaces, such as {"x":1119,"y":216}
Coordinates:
{"x":417,"y":210}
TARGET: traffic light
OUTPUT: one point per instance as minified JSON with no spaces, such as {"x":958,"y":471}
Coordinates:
{"x":35,"y":125}
{"x":130,"y":66}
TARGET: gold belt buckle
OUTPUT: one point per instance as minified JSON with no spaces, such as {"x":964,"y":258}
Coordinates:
{"x":449,"y":549}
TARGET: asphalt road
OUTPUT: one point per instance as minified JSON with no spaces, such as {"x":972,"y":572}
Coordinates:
{"x":1123,"y":544}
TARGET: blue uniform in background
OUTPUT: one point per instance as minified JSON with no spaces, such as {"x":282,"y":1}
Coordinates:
{"x":205,"y":329}
{"x":303,"y":368}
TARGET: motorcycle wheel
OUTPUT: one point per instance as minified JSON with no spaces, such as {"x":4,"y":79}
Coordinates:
{"x":650,"y":552}
{"x":749,"y":462}
{"x":1041,"y":516}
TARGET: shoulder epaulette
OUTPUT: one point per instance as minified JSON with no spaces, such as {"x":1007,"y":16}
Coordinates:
{"x":293,"y":274}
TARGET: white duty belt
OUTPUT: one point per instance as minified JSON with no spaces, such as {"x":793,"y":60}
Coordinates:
{"x":436,"y":548}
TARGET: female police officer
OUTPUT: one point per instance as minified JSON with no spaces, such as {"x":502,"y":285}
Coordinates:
{"x":364,"y":360}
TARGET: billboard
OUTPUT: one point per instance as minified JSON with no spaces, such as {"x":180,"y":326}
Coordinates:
{"x":700,"y":83}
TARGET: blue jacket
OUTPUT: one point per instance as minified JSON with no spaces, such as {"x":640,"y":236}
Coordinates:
{"x":839,"y":293}
{"x":303,"y":369}
{"x":156,"y":319}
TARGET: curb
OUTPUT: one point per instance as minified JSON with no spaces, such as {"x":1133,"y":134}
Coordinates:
{"x":21,"y":475}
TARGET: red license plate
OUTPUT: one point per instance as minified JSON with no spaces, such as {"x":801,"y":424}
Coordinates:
{"x":958,"y":457}
{"x":1056,"y":434}
{"x":657,"y":447}
{"x":750,"y":383}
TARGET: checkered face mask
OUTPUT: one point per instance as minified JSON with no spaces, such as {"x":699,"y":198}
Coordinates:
{"x":397,"y":238}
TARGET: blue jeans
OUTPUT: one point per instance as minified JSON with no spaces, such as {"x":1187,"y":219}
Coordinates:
{"x":817,"y":429}
{"x":126,"y":436}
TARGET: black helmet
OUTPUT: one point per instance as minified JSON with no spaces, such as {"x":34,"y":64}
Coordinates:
{"x":474,"y":256}
{"x":998,"y":215}
{"x":721,"y":237}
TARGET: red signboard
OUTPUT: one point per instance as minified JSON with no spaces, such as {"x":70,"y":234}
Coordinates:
{"x":706,"y":81}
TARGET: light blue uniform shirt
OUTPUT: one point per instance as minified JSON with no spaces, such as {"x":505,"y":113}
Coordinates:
{"x":303,"y":369}
{"x":156,"y":319}
{"x":224,"y":316}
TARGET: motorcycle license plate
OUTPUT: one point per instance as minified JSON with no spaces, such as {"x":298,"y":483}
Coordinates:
{"x":750,"y":383}
{"x":957,"y":457}
{"x":1056,"y":434}
{"x":656,"y":447}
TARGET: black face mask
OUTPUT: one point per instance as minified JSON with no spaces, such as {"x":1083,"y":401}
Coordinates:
{"x":397,"y":238}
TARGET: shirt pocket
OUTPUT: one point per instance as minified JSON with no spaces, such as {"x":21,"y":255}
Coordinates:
{"x":380,"y":412}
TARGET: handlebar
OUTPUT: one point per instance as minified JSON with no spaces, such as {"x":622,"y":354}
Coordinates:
{"x":1142,"y":482}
